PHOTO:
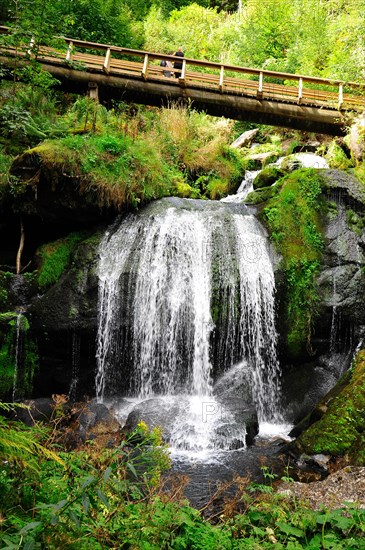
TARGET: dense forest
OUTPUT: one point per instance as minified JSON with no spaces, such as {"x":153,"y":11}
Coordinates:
{"x":70,"y":477}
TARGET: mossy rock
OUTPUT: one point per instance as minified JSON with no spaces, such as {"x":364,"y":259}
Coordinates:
{"x":341,"y":429}
{"x":355,"y":222}
{"x":267,"y":177}
{"x":336,"y":157}
{"x":261,"y":195}
{"x":185,"y":191}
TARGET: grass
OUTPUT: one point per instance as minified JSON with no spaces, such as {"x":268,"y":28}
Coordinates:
{"x":124,"y":161}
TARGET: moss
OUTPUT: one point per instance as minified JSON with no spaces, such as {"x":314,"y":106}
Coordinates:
{"x":55,"y":257}
{"x":336,"y":157}
{"x":217,"y":189}
{"x":293,"y":220}
{"x":355,"y":222}
{"x":186,"y":191}
{"x":261,"y":195}
{"x":267,"y":176}
{"x":26,"y":354}
{"x":341,"y":429}
{"x":5,"y":278}
{"x":332,"y":210}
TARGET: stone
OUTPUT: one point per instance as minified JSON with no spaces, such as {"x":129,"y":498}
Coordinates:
{"x":259,"y":160}
{"x":357,"y":139}
{"x":245,"y":138}
{"x":38,"y":410}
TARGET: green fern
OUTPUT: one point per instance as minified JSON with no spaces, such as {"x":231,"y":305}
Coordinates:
{"x":18,"y":445}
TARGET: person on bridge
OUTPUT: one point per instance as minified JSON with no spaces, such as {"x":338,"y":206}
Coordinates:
{"x":168,"y":65}
{"x":178,"y":64}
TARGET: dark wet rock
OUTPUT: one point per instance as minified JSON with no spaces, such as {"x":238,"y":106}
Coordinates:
{"x":348,"y":187}
{"x":305,"y":384}
{"x":154,"y":412}
{"x":307,"y":147}
{"x":259,"y":160}
{"x":38,"y":410}
{"x":96,"y":420}
{"x":235,"y":386}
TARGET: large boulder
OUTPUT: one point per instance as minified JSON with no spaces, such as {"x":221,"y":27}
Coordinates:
{"x":356,"y":139}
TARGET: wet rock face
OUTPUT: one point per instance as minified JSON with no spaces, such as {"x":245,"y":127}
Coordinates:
{"x":63,"y":322}
{"x":341,"y":283}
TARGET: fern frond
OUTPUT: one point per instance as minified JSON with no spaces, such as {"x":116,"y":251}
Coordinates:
{"x":18,"y":446}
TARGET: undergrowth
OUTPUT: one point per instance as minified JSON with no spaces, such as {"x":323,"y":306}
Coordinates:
{"x":97,"y":498}
{"x":124,"y":157}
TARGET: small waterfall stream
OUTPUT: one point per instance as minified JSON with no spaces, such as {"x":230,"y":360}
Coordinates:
{"x":186,"y":298}
{"x":19,"y":353}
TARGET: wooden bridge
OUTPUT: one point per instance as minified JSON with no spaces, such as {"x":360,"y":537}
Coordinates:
{"x":241,"y":93}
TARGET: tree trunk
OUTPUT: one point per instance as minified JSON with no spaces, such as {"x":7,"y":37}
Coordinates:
{"x":20,"y":249}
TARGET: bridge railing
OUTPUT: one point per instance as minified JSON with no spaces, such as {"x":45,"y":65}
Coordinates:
{"x":258,"y":83}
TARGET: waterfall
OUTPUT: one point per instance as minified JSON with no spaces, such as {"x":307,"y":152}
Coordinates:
{"x":76,"y":342}
{"x":19,"y":353}
{"x":186,"y":293}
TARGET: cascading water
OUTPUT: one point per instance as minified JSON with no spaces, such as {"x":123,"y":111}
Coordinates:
{"x":76,"y":342}
{"x":186,"y":295}
{"x":19,"y":353}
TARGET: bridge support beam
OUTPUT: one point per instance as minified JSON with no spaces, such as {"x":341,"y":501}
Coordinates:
{"x":93,"y":91}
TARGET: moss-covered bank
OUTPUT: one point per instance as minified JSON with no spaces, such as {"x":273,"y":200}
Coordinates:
{"x":293,"y":218}
{"x":341,"y":429}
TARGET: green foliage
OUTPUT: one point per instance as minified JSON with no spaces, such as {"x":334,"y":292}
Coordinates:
{"x":18,"y":356}
{"x":55,"y":257}
{"x":113,"y":498}
{"x":19,"y":446}
{"x":294,"y":224}
{"x":123,"y":160}
{"x":27,"y":116}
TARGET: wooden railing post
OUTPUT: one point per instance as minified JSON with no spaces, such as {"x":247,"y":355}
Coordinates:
{"x":340,"y":95}
{"x":69,"y":51}
{"x":145,"y":67}
{"x":106,"y":66}
{"x":183,"y":72}
{"x":300,"y":90}
{"x":221,"y":79}
{"x":261,"y":85}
